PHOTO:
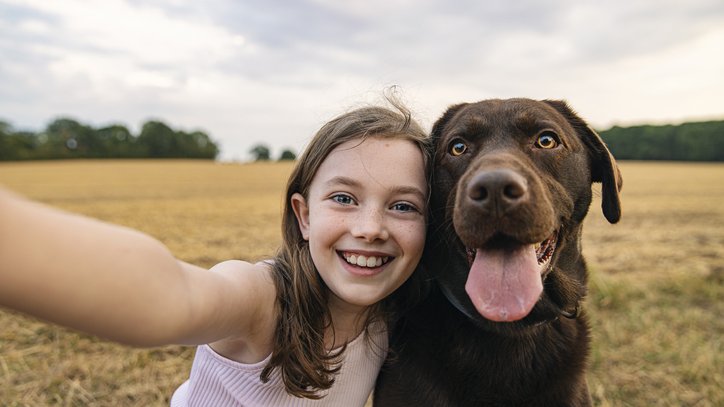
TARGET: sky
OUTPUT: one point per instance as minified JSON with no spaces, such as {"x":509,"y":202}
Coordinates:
{"x":273,"y":72}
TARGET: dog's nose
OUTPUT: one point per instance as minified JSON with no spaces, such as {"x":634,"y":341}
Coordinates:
{"x":498,"y":191}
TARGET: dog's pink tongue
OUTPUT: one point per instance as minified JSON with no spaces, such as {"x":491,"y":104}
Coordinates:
{"x":504,"y":285}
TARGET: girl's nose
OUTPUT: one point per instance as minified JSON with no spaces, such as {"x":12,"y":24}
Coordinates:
{"x":371,"y":226}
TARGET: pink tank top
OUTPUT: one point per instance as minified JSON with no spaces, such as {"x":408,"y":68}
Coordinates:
{"x":221,"y":382}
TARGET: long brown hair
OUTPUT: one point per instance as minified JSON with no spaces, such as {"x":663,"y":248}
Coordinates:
{"x":299,"y":352}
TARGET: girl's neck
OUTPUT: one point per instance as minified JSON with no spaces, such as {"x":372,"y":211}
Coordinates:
{"x":348,"y":321}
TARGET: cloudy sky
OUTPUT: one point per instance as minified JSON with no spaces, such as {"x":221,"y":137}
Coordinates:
{"x":274,"y":71}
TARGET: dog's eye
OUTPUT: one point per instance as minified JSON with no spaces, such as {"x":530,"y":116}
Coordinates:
{"x":457,"y":148}
{"x":547,"y":140}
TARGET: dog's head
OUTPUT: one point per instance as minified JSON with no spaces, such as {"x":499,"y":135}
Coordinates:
{"x":511,"y":186}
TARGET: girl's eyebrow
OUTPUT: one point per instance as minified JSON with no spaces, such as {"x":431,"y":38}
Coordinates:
{"x":402,"y":189}
{"x":340,"y":180}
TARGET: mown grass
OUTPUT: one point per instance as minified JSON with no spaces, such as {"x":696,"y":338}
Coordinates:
{"x":656,"y":289}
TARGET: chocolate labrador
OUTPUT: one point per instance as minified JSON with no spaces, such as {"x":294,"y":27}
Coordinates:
{"x":502,"y":324}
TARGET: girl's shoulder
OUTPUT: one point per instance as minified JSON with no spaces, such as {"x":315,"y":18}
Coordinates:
{"x":251,"y":273}
{"x":253,"y":279}
{"x":254,"y":341}
{"x":241,"y":265}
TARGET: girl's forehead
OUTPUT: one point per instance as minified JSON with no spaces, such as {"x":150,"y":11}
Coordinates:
{"x":394,"y":160}
{"x":373,"y":148}
{"x":374,"y":143}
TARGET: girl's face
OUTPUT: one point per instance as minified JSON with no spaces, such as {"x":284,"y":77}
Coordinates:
{"x":365,"y":217}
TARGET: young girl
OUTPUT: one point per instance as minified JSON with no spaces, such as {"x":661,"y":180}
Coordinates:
{"x":307,"y":327}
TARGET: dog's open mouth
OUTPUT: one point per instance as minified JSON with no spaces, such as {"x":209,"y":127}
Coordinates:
{"x":543,"y":250}
{"x":506,"y":277}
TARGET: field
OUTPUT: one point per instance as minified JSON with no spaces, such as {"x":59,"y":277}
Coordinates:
{"x":656,"y":289}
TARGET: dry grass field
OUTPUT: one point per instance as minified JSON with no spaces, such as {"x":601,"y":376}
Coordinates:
{"x":656,"y":289}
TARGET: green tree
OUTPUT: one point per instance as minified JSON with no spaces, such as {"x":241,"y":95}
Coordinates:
{"x":287,"y":155}
{"x":5,"y":152}
{"x":260,"y":152}
{"x":5,"y":128}
{"x":65,"y":137}
{"x":161,"y":141}
{"x":157,"y":140}
{"x":696,"y":141}
{"x":205,"y":146}
{"x":16,"y":145}
{"x":118,"y":142}
{"x":196,"y":145}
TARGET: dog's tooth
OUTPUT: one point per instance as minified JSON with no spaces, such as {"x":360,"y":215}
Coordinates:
{"x":352,"y":259}
{"x":378,"y":262}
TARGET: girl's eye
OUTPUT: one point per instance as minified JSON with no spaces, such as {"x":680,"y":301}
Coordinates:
{"x":343,"y":199}
{"x":457,"y":147}
{"x":547,"y":140}
{"x":404,"y":207}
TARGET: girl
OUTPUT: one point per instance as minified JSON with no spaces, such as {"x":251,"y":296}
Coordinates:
{"x":280,"y":332}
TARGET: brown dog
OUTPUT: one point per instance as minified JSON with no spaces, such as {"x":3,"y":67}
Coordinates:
{"x":503,"y":325}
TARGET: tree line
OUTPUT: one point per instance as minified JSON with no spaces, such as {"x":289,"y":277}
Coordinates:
{"x":694,"y":141}
{"x":262,"y":152}
{"x":67,"y":138}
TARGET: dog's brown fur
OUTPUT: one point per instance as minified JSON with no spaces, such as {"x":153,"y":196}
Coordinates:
{"x":444,"y":352}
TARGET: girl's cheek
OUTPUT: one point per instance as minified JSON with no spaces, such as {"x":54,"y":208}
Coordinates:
{"x":416,"y":233}
{"x":411,"y":229}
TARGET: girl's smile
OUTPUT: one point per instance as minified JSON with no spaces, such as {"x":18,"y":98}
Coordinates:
{"x":365,"y":264}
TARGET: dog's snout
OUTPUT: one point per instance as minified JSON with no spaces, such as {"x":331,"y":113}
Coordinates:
{"x":498,"y":191}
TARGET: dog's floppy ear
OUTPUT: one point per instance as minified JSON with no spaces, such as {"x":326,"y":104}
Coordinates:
{"x":442,"y":121}
{"x":603,"y":165}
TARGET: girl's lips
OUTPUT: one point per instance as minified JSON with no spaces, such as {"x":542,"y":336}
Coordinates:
{"x":364,"y":264}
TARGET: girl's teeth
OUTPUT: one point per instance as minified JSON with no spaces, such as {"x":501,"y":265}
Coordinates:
{"x":364,"y":261}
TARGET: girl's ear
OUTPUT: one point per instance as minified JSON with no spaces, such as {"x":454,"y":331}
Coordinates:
{"x":301,"y":211}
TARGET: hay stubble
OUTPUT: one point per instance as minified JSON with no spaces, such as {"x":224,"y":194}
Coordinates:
{"x":657,"y":278}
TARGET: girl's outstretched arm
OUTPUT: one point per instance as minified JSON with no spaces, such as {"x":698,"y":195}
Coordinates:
{"x":119,"y":283}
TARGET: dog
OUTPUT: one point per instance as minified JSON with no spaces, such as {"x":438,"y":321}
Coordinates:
{"x":502,"y":323}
